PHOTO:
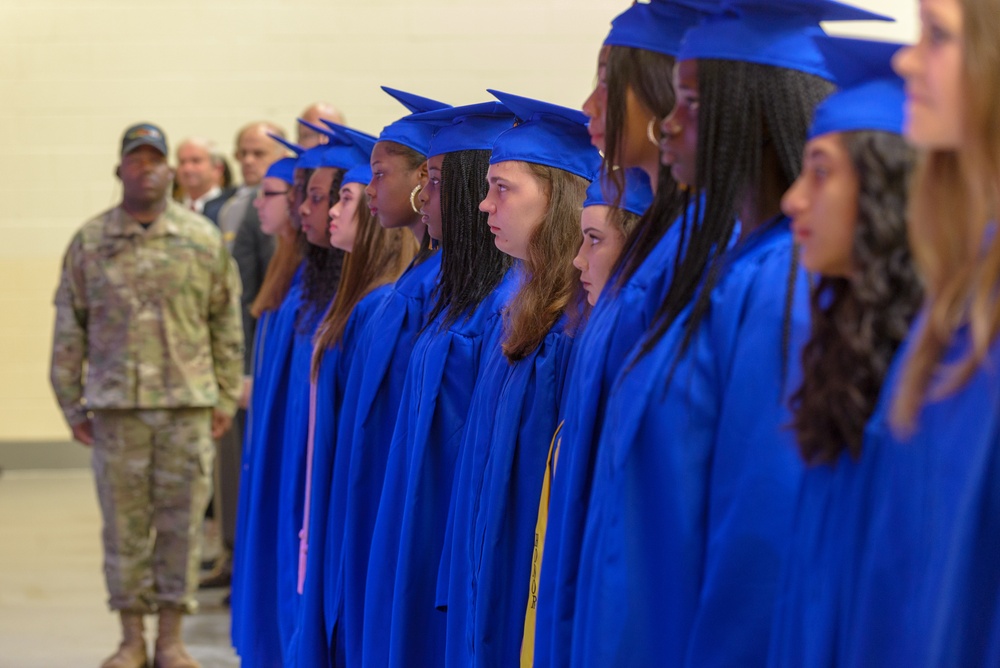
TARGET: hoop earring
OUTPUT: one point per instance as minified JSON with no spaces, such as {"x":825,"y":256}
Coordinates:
{"x":650,"y":135}
{"x":413,"y":198}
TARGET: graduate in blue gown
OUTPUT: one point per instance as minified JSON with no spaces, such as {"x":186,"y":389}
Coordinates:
{"x":927,"y":584}
{"x":696,"y":472}
{"x":635,"y":68}
{"x":538,"y":175}
{"x":376,"y":256}
{"x":401,"y":625}
{"x":254,"y":622}
{"x":848,"y":214}
{"x":373,"y":381}
{"x":326,"y":166}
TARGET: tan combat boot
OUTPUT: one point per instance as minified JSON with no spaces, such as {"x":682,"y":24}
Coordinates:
{"x":170,"y":651}
{"x":132,"y":651}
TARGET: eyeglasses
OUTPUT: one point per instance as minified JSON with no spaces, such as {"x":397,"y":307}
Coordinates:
{"x":272,"y":193}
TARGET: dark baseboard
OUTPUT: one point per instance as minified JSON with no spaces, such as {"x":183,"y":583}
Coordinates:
{"x":20,"y":455}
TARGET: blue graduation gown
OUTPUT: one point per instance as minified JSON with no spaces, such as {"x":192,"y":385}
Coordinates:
{"x":617,"y":322}
{"x":291,"y":485}
{"x":368,"y":418}
{"x":401,"y":625}
{"x":810,"y":626}
{"x":695,"y":481}
{"x":311,"y":647}
{"x":504,"y":452}
{"x":254,"y":587}
{"x":927,"y":586}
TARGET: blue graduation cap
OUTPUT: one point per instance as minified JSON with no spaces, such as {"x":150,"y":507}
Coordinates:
{"x":467,"y":128}
{"x":362,"y":171}
{"x":283,"y":169}
{"x":359,"y":173}
{"x":343,"y":150}
{"x":636,"y":199}
{"x":659,"y":25}
{"x":778,"y":33}
{"x":410,"y":132}
{"x":294,"y":148}
{"x":870,"y":94}
{"x":546,"y":134}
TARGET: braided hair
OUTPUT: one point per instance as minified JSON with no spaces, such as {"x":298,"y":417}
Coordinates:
{"x":471,"y":264}
{"x":752,"y":125}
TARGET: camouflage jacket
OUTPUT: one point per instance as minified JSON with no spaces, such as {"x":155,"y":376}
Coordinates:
{"x":151,"y":316}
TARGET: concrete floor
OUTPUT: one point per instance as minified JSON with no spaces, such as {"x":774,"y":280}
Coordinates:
{"x":52,"y":597}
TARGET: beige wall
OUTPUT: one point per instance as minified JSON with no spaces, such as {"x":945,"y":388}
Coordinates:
{"x":74,"y":74}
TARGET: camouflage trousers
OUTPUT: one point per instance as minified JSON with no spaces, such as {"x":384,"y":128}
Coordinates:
{"x":153,"y":469}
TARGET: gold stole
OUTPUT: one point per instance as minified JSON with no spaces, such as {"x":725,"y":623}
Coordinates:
{"x":528,"y":640}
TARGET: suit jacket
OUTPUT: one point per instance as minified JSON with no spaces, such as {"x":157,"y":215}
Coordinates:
{"x":214,"y":206}
{"x":252,"y":250}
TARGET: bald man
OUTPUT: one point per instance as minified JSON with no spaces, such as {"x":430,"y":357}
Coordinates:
{"x":307,"y":138}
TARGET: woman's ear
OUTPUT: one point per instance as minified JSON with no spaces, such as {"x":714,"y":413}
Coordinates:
{"x":423,"y":172}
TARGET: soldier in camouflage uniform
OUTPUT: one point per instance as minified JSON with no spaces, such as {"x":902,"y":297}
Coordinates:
{"x":148,"y":307}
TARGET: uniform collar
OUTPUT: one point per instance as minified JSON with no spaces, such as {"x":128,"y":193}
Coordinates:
{"x":121,"y":224}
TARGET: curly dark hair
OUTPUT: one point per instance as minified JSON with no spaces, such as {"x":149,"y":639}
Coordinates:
{"x":471,"y":264}
{"x":858,"y":323}
{"x":321,"y":274}
{"x":752,"y":127}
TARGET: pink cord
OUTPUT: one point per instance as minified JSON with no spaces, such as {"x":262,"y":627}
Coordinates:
{"x":304,"y":533}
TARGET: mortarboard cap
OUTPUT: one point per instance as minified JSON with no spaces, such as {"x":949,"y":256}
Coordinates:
{"x":870,"y":94}
{"x":361,"y":172}
{"x":467,"y":128}
{"x":778,"y":33}
{"x":657,"y":26}
{"x":414,"y":134}
{"x":343,"y":150}
{"x":546,"y":134}
{"x":291,"y":146}
{"x":283,"y":168}
{"x":636,"y":199}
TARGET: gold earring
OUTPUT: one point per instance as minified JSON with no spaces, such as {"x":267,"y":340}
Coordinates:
{"x":650,"y":135}
{"x":413,"y":198}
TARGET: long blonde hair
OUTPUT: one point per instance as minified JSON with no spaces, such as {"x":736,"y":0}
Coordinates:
{"x":954,"y":197}
{"x":379,"y":257}
{"x":551,"y":282}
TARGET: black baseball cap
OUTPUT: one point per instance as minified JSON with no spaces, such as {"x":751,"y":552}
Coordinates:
{"x":144,"y":134}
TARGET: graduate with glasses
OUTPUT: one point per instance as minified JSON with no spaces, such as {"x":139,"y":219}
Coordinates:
{"x":254,"y":605}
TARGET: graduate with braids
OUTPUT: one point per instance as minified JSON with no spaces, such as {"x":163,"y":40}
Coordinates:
{"x":327,"y":163}
{"x":374,"y":384}
{"x":632,"y":96}
{"x":696,"y":473}
{"x":254,"y":589}
{"x":401,"y":625}
{"x":539,"y":172}
{"x":375,"y":257}
{"x":848,"y":210}
{"x":926,"y":590}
